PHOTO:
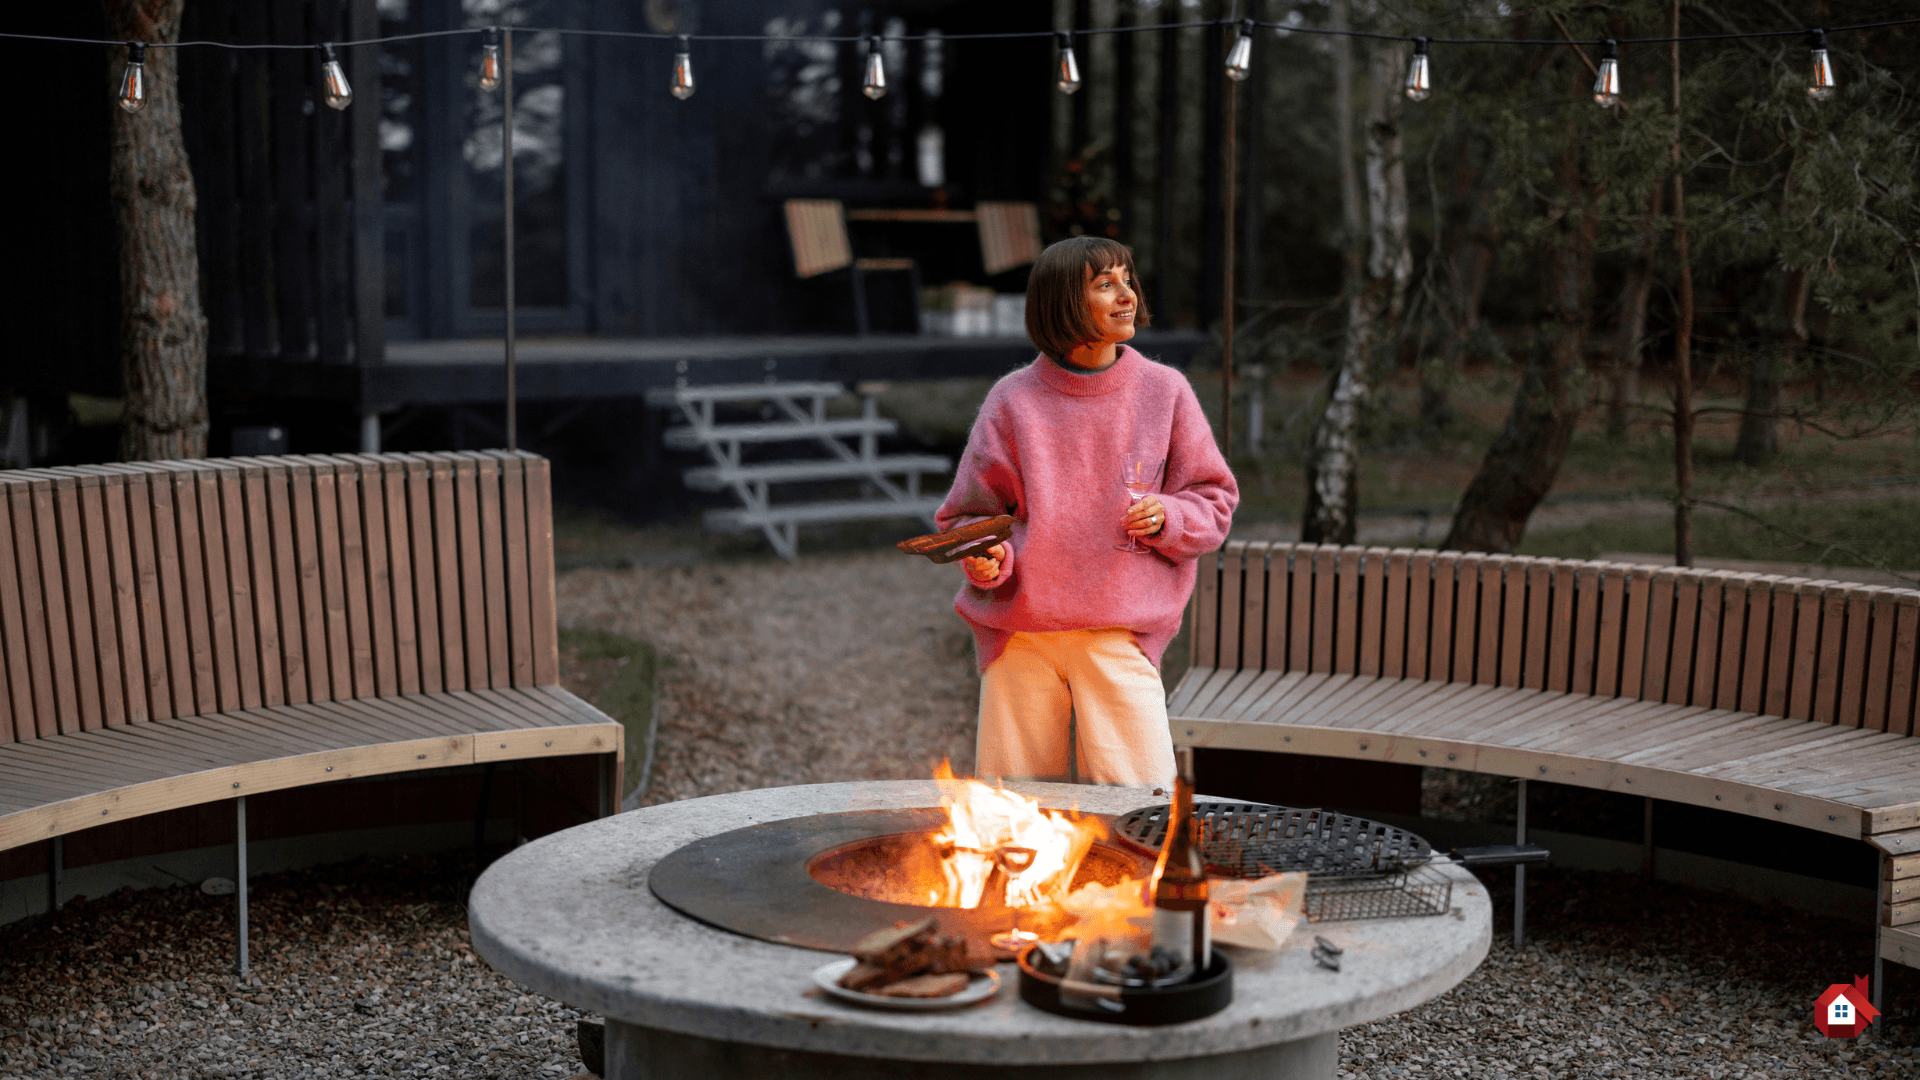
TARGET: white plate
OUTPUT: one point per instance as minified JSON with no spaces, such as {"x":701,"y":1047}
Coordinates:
{"x":982,"y":986}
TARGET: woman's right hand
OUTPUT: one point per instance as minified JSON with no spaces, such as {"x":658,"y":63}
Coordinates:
{"x":981,"y":570}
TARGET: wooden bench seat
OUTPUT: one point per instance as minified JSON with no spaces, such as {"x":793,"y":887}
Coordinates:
{"x":176,"y":633}
{"x":1779,"y":698}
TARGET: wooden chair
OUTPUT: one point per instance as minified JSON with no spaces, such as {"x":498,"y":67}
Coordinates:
{"x":182,"y":632}
{"x":1780,"y":698}
{"x":817,"y":232}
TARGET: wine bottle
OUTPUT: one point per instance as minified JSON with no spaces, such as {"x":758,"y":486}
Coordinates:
{"x":1180,"y":878}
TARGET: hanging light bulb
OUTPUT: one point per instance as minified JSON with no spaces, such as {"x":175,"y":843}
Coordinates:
{"x":1606,"y":84}
{"x":683,"y":69}
{"x":1823,"y":84}
{"x":133,"y":81}
{"x":1240,"y":57}
{"x":1069,"y":67}
{"x":339,"y":92}
{"x":875,"y":84}
{"x":490,"y":60}
{"x":1419,"y":78}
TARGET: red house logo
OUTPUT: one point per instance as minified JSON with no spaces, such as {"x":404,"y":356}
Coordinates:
{"x":1844,"y":1011}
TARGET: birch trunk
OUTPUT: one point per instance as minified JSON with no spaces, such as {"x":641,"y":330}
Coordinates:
{"x":1376,"y":285}
{"x":163,"y":332}
{"x":1523,"y":461}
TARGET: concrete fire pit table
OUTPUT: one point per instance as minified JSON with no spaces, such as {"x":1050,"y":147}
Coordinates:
{"x":571,"y":916}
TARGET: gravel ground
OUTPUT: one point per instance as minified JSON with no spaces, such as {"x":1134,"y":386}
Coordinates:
{"x":840,"y":667}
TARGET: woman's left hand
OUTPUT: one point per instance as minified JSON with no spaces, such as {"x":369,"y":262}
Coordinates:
{"x":1146,"y":517}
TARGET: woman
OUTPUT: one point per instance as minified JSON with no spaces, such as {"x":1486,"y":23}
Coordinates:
{"x":1069,"y":625}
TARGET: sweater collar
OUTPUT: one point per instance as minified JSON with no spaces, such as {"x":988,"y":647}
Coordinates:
{"x":1090,"y":383}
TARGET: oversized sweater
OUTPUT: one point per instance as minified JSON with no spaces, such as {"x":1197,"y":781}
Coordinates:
{"x":1048,"y":448}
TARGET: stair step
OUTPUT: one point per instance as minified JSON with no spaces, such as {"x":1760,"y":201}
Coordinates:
{"x":716,"y":477}
{"x":688,"y":437}
{"x":738,"y":519}
{"x":677,"y":395}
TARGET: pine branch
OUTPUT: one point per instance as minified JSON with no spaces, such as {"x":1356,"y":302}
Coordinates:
{"x":1805,"y":541}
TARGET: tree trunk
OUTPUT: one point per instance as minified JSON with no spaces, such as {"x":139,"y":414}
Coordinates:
{"x":163,"y":333}
{"x":1523,"y":461}
{"x":1624,"y":378}
{"x":1759,"y":438}
{"x":1376,"y":288}
{"x":1472,"y":266}
{"x":1682,"y":338}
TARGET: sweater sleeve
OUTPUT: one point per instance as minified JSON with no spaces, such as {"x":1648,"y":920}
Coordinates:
{"x":985,"y":485}
{"x":1199,"y":492}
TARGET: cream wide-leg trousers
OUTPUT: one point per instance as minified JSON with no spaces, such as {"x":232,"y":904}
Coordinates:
{"x":1096,"y":680}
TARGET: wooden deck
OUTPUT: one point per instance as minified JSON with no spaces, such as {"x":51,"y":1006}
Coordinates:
{"x":473,"y":371}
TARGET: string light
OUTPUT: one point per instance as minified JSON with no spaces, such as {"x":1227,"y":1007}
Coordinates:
{"x":1822,"y":85}
{"x":133,"y":81}
{"x":1606,"y":83}
{"x":490,"y":60}
{"x":1240,"y":57}
{"x":1069,"y":80}
{"x":339,"y":92}
{"x":683,"y":69}
{"x":1419,"y":79}
{"x":875,"y":84}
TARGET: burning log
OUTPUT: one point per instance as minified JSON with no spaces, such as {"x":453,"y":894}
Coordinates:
{"x":912,"y":959}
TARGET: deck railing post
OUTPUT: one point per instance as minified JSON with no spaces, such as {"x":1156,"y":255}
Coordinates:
{"x":1520,"y":872}
{"x":240,"y":874}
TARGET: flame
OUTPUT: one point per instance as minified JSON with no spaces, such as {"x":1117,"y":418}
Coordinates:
{"x":988,"y":827}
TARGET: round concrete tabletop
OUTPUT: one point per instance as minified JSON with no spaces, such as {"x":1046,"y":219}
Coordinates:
{"x":570,"y":916}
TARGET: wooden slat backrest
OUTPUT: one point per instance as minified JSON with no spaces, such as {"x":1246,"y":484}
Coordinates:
{"x":1818,"y":650}
{"x":153,"y":590}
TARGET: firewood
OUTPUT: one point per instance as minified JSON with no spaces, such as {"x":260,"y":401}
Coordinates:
{"x":928,"y":986}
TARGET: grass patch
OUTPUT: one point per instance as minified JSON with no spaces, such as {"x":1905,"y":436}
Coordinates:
{"x":620,"y":675}
{"x":1886,"y":531}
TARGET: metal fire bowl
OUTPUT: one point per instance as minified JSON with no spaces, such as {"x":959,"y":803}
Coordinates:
{"x":755,"y":881}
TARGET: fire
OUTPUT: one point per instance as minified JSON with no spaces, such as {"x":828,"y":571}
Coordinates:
{"x":1037,"y":851}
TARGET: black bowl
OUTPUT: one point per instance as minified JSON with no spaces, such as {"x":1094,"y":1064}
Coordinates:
{"x":1203,"y":995}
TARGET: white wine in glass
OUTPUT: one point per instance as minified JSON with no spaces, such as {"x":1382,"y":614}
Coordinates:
{"x":1141,"y":478}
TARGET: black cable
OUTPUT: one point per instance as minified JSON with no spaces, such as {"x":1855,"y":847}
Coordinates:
{"x":984,"y":36}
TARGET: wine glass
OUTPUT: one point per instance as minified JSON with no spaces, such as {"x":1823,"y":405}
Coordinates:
{"x":1141,"y":478}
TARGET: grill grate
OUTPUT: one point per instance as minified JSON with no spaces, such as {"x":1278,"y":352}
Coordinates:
{"x":1356,"y":868}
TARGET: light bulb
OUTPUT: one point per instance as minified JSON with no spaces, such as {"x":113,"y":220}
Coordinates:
{"x":1606,"y":84}
{"x":1822,"y":85}
{"x":490,"y":60}
{"x":1240,"y":57}
{"x":875,"y":84}
{"x":683,"y":69}
{"x":1069,"y":67}
{"x":339,"y":92}
{"x":1419,"y":78}
{"x":133,"y":81}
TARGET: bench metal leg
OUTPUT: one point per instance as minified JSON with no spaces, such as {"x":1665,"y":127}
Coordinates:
{"x":1646,"y":843}
{"x":240,"y":873}
{"x":55,"y":865}
{"x":1880,"y":888}
{"x":480,"y":814}
{"x":1520,"y":873}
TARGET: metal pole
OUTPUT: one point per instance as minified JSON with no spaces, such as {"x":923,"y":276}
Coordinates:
{"x":240,"y":873}
{"x":1880,"y":889}
{"x":57,"y":859}
{"x":506,"y":172}
{"x":1520,"y":873}
{"x":1646,"y":843}
{"x":1226,"y":292}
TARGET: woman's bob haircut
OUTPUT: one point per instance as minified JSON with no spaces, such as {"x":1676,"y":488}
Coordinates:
{"x":1058,"y":321}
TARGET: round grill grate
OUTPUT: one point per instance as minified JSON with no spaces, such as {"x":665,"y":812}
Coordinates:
{"x":1242,"y":839}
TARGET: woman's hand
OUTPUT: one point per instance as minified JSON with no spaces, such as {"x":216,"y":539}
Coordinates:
{"x":1146,"y":517}
{"x":982,"y":569}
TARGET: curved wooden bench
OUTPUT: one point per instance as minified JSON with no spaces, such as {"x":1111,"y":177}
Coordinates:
{"x":179,"y":632}
{"x":1780,"y":698}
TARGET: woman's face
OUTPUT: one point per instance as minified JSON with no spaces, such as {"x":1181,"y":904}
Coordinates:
{"x":1112,"y":303}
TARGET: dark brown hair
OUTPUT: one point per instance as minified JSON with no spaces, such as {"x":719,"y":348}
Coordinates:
{"x":1057,"y":318}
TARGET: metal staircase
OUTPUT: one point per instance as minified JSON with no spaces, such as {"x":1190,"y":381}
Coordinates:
{"x":802,"y":417}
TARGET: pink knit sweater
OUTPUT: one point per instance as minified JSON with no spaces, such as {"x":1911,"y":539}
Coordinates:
{"x":1047,"y":448}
